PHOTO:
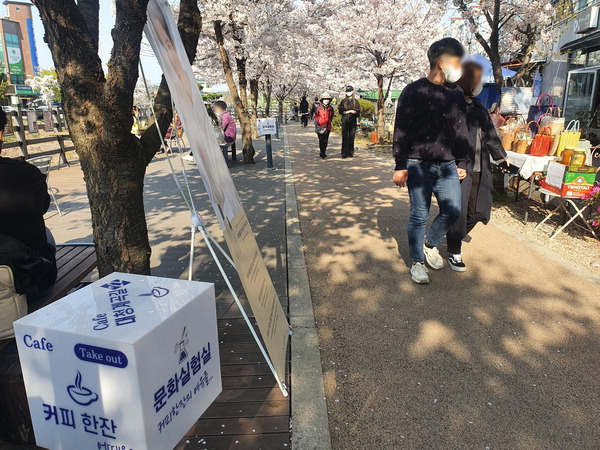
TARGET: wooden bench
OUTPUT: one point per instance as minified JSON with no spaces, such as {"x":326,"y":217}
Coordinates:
{"x":74,"y":262}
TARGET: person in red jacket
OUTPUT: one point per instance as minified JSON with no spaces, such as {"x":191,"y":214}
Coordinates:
{"x":323,"y":117}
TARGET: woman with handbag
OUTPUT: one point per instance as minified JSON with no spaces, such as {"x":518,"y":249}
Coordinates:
{"x":476,"y":187}
{"x":323,"y":117}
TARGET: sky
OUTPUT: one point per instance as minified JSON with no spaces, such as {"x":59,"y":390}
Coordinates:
{"x":151,"y":67}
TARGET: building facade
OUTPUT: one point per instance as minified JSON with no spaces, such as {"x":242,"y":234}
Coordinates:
{"x":18,"y":53}
{"x":571,"y":74}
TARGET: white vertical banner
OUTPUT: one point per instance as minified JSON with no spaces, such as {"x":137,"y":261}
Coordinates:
{"x":161,"y":31}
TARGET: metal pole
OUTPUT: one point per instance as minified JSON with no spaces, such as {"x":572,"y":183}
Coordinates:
{"x":192,"y":245}
{"x":281,"y":385}
{"x":269,"y":152}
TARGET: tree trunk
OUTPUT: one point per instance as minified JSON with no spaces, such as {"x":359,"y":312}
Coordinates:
{"x":98,"y":112}
{"x":241,"y":107}
{"x":120,"y":231}
{"x":268,"y":93}
{"x":254,"y":99}
{"x":380,"y":109}
{"x":494,"y":46}
{"x":242,"y":80}
{"x":280,"y":103}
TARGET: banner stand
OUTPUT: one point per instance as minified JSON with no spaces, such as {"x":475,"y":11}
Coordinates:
{"x":198,"y":224}
{"x":207,"y":239}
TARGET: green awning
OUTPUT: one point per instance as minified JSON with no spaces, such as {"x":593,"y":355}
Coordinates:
{"x":372,"y":95}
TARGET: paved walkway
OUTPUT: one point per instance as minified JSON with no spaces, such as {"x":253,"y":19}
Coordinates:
{"x":504,"y":356}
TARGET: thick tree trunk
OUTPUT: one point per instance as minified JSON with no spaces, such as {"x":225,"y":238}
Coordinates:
{"x":242,"y":80}
{"x":115,"y":187}
{"x":254,"y":100}
{"x":238,"y":104}
{"x":98,"y":112}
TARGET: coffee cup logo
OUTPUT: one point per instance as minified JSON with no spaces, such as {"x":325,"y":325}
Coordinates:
{"x":80,"y":394}
{"x":157,"y":292}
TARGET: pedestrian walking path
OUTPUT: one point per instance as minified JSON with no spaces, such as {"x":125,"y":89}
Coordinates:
{"x":504,"y":356}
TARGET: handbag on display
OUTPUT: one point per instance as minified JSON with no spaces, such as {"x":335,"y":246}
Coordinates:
{"x":569,"y":137}
{"x":507,"y":131}
{"x":554,"y":145}
{"x":554,"y":121}
{"x":539,"y":109}
{"x":516,"y":99}
{"x":540,"y":146}
{"x":523,"y":139}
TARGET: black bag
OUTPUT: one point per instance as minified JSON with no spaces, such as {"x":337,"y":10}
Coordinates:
{"x":32,"y":273}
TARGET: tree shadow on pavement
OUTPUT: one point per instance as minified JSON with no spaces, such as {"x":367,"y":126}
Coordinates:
{"x":502,"y":356}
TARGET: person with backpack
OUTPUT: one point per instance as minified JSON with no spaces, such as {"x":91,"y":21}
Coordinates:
{"x":323,"y":117}
{"x":27,"y":249}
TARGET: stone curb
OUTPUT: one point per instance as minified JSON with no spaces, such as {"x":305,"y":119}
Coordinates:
{"x":310,"y":422}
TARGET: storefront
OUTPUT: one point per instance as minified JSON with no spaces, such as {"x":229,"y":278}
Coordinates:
{"x":582,"y":93}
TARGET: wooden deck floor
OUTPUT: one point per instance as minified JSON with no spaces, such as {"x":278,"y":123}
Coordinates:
{"x":251,"y":412}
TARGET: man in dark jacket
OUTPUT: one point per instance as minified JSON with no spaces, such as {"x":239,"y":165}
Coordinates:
{"x":431,"y":151}
{"x":24,"y":200}
{"x":304,"y":111}
{"x":349,"y":109}
{"x":476,"y":188}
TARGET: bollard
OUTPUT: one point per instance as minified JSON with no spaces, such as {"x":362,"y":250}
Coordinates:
{"x":269,"y":151}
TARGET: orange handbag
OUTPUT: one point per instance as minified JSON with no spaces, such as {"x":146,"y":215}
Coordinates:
{"x":542,"y":142}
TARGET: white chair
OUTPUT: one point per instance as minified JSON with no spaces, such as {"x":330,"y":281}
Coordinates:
{"x":43,"y":164}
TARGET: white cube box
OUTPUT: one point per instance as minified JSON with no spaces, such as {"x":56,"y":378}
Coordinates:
{"x":127,"y":363}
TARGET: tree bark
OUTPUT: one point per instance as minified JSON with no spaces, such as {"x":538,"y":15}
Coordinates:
{"x":238,"y":104}
{"x":280,"y":104}
{"x":380,"y":109}
{"x":254,"y":100}
{"x":90,"y":10}
{"x":268,"y":92}
{"x":98,"y":112}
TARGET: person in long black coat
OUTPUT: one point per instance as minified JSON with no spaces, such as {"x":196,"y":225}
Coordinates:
{"x":476,"y":188}
{"x":349,"y":109}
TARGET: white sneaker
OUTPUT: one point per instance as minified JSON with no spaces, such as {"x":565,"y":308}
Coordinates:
{"x":418,"y":273}
{"x":188,"y":157}
{"x":433,"y":257}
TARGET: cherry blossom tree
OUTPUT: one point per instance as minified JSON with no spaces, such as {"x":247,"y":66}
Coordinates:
{"x":507,"y":27}
{"x":97,"y":104}
{"x":386,"y":40}
{"x":246,"y":35}
{"x":46,"y":83}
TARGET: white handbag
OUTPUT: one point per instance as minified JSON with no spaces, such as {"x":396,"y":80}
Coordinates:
{"x":13,"y":305}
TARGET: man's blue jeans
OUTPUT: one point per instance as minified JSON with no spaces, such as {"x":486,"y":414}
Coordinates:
{"x":426,"y":178}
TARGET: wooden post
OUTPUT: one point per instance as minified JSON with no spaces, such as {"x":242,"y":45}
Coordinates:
{"x":57,"y":121}
{"x":21,"y":132}
{"x":63,"y":155}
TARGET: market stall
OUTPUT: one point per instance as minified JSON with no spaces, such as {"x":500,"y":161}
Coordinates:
{"x":544,"y":150}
